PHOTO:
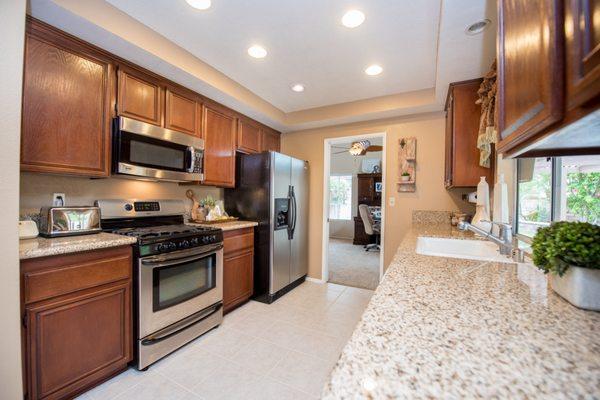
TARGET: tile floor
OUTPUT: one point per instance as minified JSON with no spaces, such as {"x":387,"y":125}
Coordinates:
{"x":280,"y":351}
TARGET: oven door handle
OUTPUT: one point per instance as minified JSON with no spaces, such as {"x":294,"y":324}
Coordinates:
{"x":178,"y":327}
{"x":181,"y":256}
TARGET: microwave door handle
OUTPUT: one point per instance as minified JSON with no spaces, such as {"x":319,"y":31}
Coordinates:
{"x":191,"y":152}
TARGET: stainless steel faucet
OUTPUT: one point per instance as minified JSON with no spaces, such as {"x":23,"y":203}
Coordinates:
{"x":503,"y":240}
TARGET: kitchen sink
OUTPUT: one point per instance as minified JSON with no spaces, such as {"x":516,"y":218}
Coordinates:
{"x":457,"y":248}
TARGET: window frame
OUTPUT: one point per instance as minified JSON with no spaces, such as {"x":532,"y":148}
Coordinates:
{"x":555,"y":201}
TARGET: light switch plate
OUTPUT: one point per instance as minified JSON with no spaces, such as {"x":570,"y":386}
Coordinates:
{"x":392,"y":201}
{"x":59,"y":199}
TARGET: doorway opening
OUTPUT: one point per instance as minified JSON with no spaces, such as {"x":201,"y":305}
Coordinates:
{"x":354,"y":210}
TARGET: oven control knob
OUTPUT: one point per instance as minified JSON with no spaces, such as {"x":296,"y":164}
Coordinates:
{"x":128,"y":207}
{"x":162,"y":247}
{"x":213,"y":238}
{"x":172,"y":246}
{"x":205,"y":239}
{"x":184,"y":244}
{"x":194,"y":242}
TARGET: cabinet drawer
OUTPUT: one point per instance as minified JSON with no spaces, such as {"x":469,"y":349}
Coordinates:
{"x":238,"y":240}
{"x":54,"y":276}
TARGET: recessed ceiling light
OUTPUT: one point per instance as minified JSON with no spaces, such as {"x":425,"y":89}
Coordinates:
{"x":298,"y":87}
{"x":199,"y":4}
{"x":477,"y":27}
{"x":353,"y":18}
{"x":373,"y":70}
{"x":257,"y":51}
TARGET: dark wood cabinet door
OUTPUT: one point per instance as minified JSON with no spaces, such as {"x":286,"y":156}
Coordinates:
{"x":181,"y":113}
{"x":219,"y":144}
{"x":270,"y":141}
{"x":530,"y":68}
{"x":238,"y":278}
{"x":139,"y":97}
{"x":77,"y":340}
{"x":365,"y":189}
{"x":582,"y":27}
{"x":248,"y":137}
{"x":66,"y":107}
{"x":462,"y":130}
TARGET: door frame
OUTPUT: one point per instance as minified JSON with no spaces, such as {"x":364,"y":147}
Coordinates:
{"x":326,"y":174}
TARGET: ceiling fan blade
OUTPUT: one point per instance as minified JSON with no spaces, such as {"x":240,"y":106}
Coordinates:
{"x":375,"y":148}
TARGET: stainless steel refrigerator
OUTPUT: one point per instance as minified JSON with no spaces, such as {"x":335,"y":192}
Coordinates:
{"x":272,"y":189}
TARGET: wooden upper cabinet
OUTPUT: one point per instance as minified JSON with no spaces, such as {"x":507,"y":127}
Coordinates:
{"x":181,"y":112}
{"x":462,"y":130}
{"x":248,"y":137}
{"x":530,"y":68}
{"x":582,"y":28}
{"x":219,"y":133}
{"x":66,"y":105}
{"x":139,"y":97}
{"x":270,"y":141}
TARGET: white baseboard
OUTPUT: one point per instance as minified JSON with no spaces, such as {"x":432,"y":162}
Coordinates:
{"x":308,"y":278}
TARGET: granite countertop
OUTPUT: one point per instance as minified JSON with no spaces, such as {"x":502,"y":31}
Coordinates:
{"x":439,"y":327}
{"x":228,"y":226}
{"x":43,"y":247}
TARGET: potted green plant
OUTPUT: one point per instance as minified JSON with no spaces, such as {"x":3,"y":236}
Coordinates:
{"x":405,"y":176}
{"x":570,"y":252}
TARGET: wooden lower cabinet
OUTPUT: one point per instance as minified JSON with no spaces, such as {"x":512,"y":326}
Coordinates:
{"x":238,"y":267}
{"x":77,"y":333}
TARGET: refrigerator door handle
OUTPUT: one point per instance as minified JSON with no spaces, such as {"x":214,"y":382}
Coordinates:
{"x":295,"y":207}
{"x":292,"y":213}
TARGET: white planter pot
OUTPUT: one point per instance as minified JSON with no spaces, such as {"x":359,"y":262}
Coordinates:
{"x":579,"y":286}
{"x":405,"y":178}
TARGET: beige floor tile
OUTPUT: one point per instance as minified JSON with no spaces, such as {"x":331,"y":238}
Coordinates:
{"x":190,"y":367}
{"x":117,"y":385}
{"x":224,"y":342}
{"x":259,"y":356}
{"x":268,"y":389}
{"x":302,"y":372}
{"x":253,"y":324}
{"x":230,"y":381}
{"x":157,"y":387}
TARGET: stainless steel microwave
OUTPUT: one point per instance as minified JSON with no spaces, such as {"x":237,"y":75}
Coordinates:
{"x":148,"y":151}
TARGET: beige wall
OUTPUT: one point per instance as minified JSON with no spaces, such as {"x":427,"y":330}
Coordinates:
{"x":430,"y":194}
{"x":37,"y":189}
{"x":12,"y":28}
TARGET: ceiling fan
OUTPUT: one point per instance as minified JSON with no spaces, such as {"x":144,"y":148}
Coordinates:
{"x":359,"y":148}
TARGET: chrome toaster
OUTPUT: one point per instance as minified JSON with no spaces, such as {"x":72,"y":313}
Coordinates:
{"x":69,"y":221}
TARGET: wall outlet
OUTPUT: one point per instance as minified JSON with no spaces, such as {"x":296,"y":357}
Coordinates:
{"x":392,"y":201}
{"x":59,"y":199}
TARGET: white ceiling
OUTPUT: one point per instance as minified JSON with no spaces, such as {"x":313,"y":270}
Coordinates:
{"x":421,"y":45}
{"x":306,"y":43}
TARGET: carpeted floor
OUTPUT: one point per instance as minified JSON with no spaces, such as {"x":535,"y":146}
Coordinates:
{"x":351,"y":265}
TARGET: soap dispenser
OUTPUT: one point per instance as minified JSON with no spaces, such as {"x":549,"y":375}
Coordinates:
{"x":482,"y":209}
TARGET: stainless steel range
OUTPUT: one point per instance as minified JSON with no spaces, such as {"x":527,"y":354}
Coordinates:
{"x":178,"y":270}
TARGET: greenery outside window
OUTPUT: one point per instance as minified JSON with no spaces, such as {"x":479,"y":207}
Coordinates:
{"x":340,"y":197}
{"x":556,"y":189}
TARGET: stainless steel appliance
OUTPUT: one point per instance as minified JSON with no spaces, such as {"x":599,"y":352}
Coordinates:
{"x":149,"y":151}
{"x":68,"y":221}
{"x":272,"y":189}
{"x":178,"y":270}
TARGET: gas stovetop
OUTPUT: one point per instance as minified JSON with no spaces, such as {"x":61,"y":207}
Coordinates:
{"x":163,"y":231}
{"x":157,"y":225}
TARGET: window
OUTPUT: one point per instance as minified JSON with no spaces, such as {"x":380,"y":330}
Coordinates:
{"x":340,"y":197}
{"x":557,"y":189}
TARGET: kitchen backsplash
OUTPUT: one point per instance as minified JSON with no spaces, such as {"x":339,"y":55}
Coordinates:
{"x":37,"y":190}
